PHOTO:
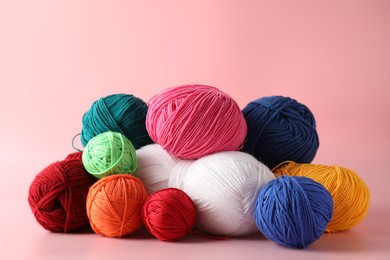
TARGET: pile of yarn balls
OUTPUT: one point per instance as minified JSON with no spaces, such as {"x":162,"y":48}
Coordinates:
{"x":190,"y":160}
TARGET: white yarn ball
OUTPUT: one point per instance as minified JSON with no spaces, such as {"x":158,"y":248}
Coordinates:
{"x":154,"y":167}
{"x":224,"y":188}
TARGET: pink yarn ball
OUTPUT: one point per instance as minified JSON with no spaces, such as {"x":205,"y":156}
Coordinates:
{"x":192,"y":121}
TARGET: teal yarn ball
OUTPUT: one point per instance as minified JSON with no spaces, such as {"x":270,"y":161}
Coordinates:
{"x":109,"y":153}
{"x":122,"y":113}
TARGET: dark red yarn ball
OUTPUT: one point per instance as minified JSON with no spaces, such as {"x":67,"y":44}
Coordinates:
{"x":58,"y":195}
{"x":169,"y":214}
{"x":75,"y":155}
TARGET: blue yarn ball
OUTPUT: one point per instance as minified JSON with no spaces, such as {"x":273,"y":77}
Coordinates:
{"x":293,"y":211}
{"x":280,"y":129}
{"x":122,"y":113}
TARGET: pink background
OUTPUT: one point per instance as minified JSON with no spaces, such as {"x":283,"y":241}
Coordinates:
{"x":57,"y":57}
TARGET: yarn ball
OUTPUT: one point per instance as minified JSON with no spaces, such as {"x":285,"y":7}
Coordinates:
{"x":57,"y":196}
{"x":154,"y":167}
{"x":350,"y":193}
{"x":114,"y":205}
{"x":109,"y":153}
{"x":169,"y":214}
{"x":224,"y":188}
{"x":120,"y":113}
{"x":280,"y":129}
{"x":75,"y":156}
{"x":293,"y":211}
{"x":192,"y":121}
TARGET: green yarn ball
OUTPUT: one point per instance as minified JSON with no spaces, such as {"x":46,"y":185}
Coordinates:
{"x":109,"y":153}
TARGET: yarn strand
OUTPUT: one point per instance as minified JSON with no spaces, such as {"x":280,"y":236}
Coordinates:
{"x":74,"y":138}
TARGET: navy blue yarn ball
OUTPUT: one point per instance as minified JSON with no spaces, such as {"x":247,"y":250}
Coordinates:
{"x":122,"y":113}
{"x":280,"y":129}
{"x":293,"y":211}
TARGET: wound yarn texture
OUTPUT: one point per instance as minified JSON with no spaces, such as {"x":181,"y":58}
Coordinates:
{"x":280,"y":129}
{"x":169,"y":214}
{"x":114,"y":205}
{"x":293,"y":211}
{"x":74,"y":156}
{"x":57,"y":195}
{"x":154,"y":167}
{"x":109,"y":153}
{"x":224,"y":188}
{"x":191,"y":161}
{"x":192,"y":121}
{"x":120,"y":113}
{"x":350,"y":193}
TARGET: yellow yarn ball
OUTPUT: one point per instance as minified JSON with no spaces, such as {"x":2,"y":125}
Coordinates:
{"x":350,"y":193}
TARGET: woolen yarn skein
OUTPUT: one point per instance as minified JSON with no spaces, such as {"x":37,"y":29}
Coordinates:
{"x":57,"y":195}
{"x":109,"y":153}
{"x":114,"y":205}
{"x":120,"y":113}
{"x":192,"y":121}
{"x":154,"y":166}
{"x":350,"y":193}
{"x":293,"y":211}
{"x":169,"y":214}
{"x":279,"y":129}
{"x":224,"y":188}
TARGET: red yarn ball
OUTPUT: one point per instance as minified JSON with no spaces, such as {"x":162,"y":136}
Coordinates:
{"x":75,"y":155}
{"x":169,"y":214}
{"x":58,"y":195}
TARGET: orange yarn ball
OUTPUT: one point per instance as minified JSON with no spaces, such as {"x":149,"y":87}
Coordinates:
{"x":114,"y":205}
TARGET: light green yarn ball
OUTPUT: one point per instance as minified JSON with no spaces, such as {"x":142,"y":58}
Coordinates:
{"x":109,"y":153}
